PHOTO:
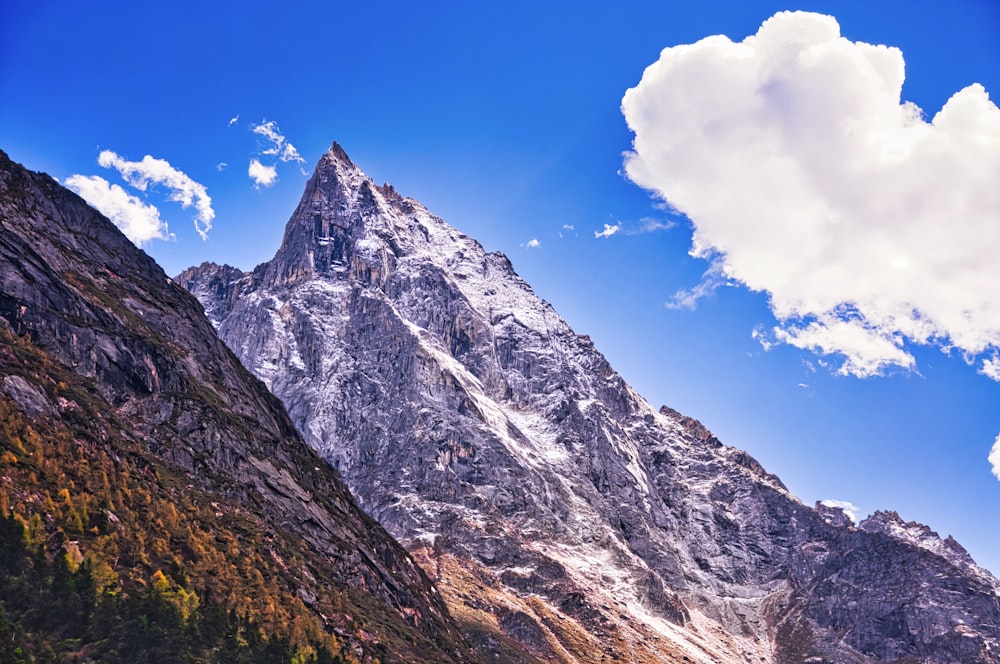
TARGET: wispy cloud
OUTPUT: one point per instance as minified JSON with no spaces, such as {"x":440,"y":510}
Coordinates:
{"x":274,"y":149}
{"x":233,"y":120}
{"x":608,"y":231}
{"x":688,"y":298}
{"x":221,"y":166}
{"x":279,"y":145}
{"x":152,"y":171}
{"x":533,"y":243}
{"x":650,"y":225}
{"x":797,"y":161}
{"x":644,"y":225}
{"x":139,"y":221}
{"x":262,"y":176}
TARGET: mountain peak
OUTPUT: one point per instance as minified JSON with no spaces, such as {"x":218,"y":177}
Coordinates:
{"x":337,"y":200}
{"x":337,"y":154}
{"x":499,"y":445}
{"x":336,"y":163}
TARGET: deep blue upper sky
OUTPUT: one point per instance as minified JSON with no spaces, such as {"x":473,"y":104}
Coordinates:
{"x":505,"y":119}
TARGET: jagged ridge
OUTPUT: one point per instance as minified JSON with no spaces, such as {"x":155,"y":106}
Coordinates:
{"x":477,"y":427}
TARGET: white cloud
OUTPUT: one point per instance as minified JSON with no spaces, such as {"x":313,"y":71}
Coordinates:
{"x":994,"y":458}
{"x":139,"y":221}
{"x":991,"y":367}
{"x":151,"y":171}
{"x":644,"y":225}
{"x":850,"y":509}
{"x":869,"y":228}
{"x":533,"y":244}
{"x":608,"y":231}
{"x":233,"y":120}
{"x":568,"y":227}
{"x":280,"y":147}
{"x":221,"y":166}
{"x":688,"y":298}
{"x":262,"y":176}
{"x":650,"y":225}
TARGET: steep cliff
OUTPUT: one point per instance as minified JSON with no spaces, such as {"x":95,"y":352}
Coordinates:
{"x":137,"y":448}
{"x":552,"y":503}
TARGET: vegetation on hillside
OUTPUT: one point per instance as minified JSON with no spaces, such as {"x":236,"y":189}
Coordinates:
{"x":108,"y":554}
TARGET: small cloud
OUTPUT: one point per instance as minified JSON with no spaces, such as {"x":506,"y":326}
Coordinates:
{"x":568,"y":227}
{"x":221,"y":166}
{"x":650,"y":225}
{"x":994,"y":458}
{"x":233,"y":120}
{"x":289,"y":153}
{"x":262,"y":176}
{"x":152,"y":171}
{"x":608,"y":231}
{"x":850,"y":509}
{"x":762,"y":337}
{"x":139,"y":221}
{"x":688,"y":298}
{"x":991,"y":368}
{"x":533,"y":243}
{"x":643,"y":226}
{"x":280,"y":147}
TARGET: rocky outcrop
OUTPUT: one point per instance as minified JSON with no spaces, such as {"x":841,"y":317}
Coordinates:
{"x":503,"y":450}
{"x":75,"y":289}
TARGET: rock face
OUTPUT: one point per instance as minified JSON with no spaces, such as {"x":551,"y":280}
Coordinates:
{"x":557,"y":508}
{"x":164,"y":386}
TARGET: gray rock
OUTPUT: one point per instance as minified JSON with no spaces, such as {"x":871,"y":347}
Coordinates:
{"x":462,"y":409}
{"x":31,"y":400}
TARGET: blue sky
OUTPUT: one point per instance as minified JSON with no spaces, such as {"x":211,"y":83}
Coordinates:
{"x":506,"y":120}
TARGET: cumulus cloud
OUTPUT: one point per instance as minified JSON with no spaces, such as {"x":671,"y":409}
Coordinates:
{"x":608,"y":231}
{"x":279,"y":145}
{"x":152,"y":171}
{"x":262,"y":176}
{"x":994,"y":458}
{"x":850,"y":509}
{"x":533,"y":244}
{"x":870,"y":228}
{"x":139,"y":221}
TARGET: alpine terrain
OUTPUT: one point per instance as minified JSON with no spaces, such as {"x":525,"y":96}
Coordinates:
{"x":551,"y":504}
{"x":156,"y":502}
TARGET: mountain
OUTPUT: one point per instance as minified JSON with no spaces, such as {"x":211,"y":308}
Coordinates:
{"x":156,"y":502}
{"x":552,"y":504}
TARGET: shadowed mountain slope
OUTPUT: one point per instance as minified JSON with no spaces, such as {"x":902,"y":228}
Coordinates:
{"x":146,"y":476}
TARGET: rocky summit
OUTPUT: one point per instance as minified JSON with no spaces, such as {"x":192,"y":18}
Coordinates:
{"x":561,"y":516}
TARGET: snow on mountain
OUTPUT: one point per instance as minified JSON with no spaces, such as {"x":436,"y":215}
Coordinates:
{"x":553,"y":505}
